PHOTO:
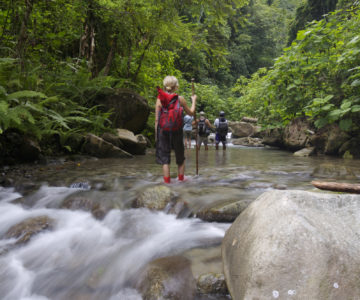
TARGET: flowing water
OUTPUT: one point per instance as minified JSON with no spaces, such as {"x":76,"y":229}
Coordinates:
{"x":82,"y":257}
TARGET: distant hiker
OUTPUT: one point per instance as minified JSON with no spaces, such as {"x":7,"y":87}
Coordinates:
{"x":187,"y":130}
{"x":222,"y":128}
{"x":204,"y":129}
{"x":169,"y":126}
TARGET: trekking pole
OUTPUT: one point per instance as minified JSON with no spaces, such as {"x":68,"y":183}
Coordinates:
{"x":196,"y":130}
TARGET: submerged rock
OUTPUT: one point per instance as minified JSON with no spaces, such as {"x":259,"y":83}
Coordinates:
{"x":212,"y":284}
{"x":155,"y":197}
{"x":295,"y":245}
{"x":25,"y":230}
{"x":223,"y":212}
{"x":305,"y":152}
{"x":82,"y":203}
{"x":248,"y":141}
{"x":168,"y":278}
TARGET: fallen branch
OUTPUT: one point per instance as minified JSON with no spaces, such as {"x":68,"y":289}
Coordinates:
{"x":337,"y":187}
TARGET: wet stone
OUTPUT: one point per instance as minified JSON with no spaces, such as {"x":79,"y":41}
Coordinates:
{"x":86,"y":204}
{"x":25,"y":230}
{"x":167,"y":278}
{"x":156,"y":197}
{"x":223,"y":212}
{"x":212,"y":284}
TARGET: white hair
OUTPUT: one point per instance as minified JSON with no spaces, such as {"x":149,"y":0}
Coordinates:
{"x":170,"y":83}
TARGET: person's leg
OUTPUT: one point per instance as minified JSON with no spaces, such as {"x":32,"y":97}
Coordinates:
{"x":181,"y":171}
{"x":163,"y":149}
{"x":179,"y":154}
{"x":166,"y":173}
{"x":206,"y":143}
{"x":217,"y":141}
{"x":224,"y":142}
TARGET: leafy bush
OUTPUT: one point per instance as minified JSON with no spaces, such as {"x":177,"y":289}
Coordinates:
{"x":317,"y":76}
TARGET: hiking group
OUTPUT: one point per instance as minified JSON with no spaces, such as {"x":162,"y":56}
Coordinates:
{"x":173,"y":130}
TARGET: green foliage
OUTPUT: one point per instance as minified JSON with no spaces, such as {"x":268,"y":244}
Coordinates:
{"x":318,"y":76}
{"x":38,"y":114}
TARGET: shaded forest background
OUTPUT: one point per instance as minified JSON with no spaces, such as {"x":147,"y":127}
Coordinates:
{"x":270,"y":59}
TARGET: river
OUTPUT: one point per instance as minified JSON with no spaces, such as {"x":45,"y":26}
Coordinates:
{"x":82,"y":257}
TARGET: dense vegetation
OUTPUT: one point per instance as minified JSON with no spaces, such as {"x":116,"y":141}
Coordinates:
{"x":318,"y":76}
{"x":57,"y":56}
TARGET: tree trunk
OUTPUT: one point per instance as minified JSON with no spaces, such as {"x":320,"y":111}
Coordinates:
{"x":110,"y":56}
{"x":23,"y":33}
{"x":337,"y":186}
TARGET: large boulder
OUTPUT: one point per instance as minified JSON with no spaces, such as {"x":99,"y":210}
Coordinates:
{"x":241,"y":129}
{"x":296,"y":134}
{"x":16,"y":147}
{"x":98,"y":147}
{"x":273,"y":137}
{"x":329,"y":139}
{"x":130,"y":110}
{"x":168,"y":278}
{"x":134,"y":144}
{"x":351,"y":147}
{"x":295,"y":245}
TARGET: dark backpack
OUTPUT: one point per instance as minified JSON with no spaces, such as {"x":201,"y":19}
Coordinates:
{"x":223,"y":127}
{"x":202,"y":128}
{"x":171,"y":116}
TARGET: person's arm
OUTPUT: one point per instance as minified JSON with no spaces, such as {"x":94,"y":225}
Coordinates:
{"x":189,"y":111}
{"x":208,"y":124}
{"x":157,"y":110}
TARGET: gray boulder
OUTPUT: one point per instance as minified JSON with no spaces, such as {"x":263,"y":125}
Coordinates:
{"x":273,"y":137}
{"x":329,"y":139}
{"x":113,"y":139}
{"x":351,"y":147}
{"x":154,"y":197}
{"x":222,"y":212}
{"x":98,"y":147}
{"x":212,"y":284}
{"x":295,"y":245}
{"x":134,"y":144}
{"x":296,"y":134}
{"x":305,"y":152}
{"x":168,"y":278}
{"x":130,"y":110}
{"x":241,"y":129}
{"x":248,"y":141}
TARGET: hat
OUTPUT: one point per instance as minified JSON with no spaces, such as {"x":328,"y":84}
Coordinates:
{"x":222,"y":114}
{"x":202,"y":113}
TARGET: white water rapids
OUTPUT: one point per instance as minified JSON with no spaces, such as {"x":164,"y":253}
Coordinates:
{"x":84,"y":258}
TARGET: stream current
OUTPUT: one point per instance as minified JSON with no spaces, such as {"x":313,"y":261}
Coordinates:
{"x":82,"y":257}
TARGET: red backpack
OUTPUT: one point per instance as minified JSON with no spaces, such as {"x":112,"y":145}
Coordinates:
{"x":171,"y":113}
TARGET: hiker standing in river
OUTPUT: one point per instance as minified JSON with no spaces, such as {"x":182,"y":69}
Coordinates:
{"x":204,"y":129}
{"x":169,"y":126}
{"x":222,"y":128}
{"x":188,"y":130}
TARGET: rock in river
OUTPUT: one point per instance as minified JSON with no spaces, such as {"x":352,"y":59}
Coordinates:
{"x":295,"y":245}
{"x":167,"y":278}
